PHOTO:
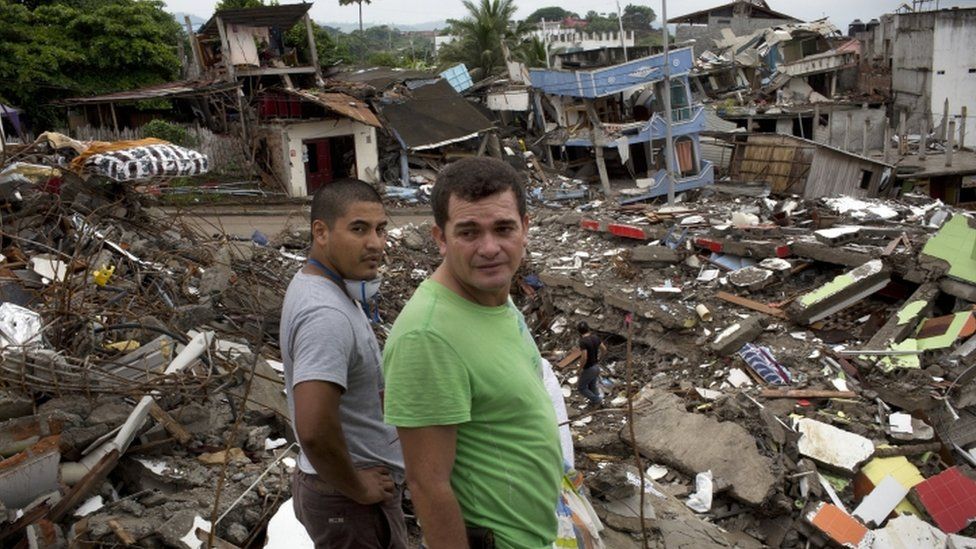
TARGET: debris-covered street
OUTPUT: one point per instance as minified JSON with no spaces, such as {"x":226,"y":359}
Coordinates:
{"x":766,"y":222}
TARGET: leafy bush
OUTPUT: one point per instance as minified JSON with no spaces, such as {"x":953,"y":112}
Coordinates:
{"x":167,"y":131}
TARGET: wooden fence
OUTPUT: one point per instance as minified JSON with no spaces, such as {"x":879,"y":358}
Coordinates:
{"x":226,"y":152}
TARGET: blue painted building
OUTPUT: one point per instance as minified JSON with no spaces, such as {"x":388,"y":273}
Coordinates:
{"x":620,"y":109}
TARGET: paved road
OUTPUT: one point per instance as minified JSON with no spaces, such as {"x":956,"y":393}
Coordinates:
{"x":242,"y":221}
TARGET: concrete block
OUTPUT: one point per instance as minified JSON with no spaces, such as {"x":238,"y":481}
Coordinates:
{"x":731,"y":339}
{"x":837,"y":236}
{"x":14,"y":404}
{"x":654,"y":254}
{"x":694,"y":443}
{"x":840,"y":293}
{"x":831,"y":446}
{"x":957,"y":288}
{"x":752,"y":278}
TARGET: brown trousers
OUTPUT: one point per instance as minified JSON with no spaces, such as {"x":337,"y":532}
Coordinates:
{"x":334,"y":521}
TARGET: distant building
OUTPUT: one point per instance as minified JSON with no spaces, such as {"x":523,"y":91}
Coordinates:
{"x":741,"y":17}
{"x":930,"y":57}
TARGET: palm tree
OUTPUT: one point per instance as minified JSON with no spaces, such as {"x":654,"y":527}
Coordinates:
{"x":480,"y":35}
{"x":360,"y":2}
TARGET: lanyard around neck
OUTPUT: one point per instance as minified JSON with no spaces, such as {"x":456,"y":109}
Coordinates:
{"x":329,"y":273}
{"x":372,"y":315}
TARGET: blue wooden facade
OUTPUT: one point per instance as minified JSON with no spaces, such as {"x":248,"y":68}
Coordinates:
{"x":622,"y":83}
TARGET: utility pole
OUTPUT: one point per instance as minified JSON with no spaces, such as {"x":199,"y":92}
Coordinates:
{"x":668,"y":140}
{"x":623,"y":40}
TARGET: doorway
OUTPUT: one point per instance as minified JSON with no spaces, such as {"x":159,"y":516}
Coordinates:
{"x":327,"y":159}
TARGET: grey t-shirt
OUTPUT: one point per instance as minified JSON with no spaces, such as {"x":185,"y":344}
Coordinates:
{"x":325,"y":336}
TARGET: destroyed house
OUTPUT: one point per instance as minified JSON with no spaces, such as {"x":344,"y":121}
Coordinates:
{"x":250,"y":42}
{"x":792,"y":165}
{"x":618,"y":111}
{"x":740,"y":17}
{"x":805,"y":61}
{"x":308,"y":138}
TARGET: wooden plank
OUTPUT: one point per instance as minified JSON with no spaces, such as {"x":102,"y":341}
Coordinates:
{"x":570,"y":359}
{"x":805,"y":393}
{"x":751,"y":304}
{"x":172,"y":426}
{"x":120,"y":532}
{"x":90,"y":483}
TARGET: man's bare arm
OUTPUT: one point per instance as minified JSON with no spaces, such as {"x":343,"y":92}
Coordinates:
{"x":428,"y":453}
{"x":320,"y":433}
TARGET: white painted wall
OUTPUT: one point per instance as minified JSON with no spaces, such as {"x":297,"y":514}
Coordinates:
{"x":511,"y":100}
{"x":954,"y":52}
{"x":367,"y":155}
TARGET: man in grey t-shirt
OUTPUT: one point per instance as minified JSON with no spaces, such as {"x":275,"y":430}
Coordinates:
{"x":348,"y":484}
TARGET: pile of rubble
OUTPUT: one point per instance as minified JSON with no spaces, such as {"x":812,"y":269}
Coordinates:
{"x":140,"y":399}
{"x":801,"y":371}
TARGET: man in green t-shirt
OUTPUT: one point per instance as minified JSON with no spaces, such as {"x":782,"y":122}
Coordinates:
{"x":463,"y":379}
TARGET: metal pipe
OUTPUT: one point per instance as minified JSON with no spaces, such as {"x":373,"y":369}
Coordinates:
{"x":668,"y":139}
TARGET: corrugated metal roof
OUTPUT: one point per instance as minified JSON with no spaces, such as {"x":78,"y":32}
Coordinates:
{"x":381,"y":77}
{"x":758,"y":9}
{"x":183,"y":88}
{"x":435,"y":115}
{"x":340,"y":103}
{"x":283,"y":17}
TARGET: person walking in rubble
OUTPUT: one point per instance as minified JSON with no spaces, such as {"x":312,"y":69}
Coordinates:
{"x":464,"y":379}
{"x":348,"y":484}
{"x":590,"y":347}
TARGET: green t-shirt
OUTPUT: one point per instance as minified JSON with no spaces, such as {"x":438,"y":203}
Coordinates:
{"x":449,"y":361}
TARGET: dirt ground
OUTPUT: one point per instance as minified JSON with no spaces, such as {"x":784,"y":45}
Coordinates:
{"x":242,"y":221}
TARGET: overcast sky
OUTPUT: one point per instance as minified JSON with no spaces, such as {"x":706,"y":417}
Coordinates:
{"x":409,"y":12}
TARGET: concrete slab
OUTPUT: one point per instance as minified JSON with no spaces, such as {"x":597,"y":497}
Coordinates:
{"x":818,"y":251}
{"x":731,"y":339}
{"x":831,"y":446}
{"x":908,"y":532}
{"x":654,"y":254}
{"x":694,"y":443}
{"x":840,"y":293}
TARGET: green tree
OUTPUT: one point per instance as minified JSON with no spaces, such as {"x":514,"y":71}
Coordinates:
{"x":532,"y":52}
{"x":480,"y":34}
{"x":69,"y":48}
{"x":596,"y":22}
{"x":551,"y":13}
{"x":638,"y":18}
{"x":236,"y":4}
{"x":330,"y":50}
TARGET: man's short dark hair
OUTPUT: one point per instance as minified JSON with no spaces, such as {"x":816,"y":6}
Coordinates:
{"x":582,"y":327}
{"x":332,"y":200}
{"x":472,"y":179}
